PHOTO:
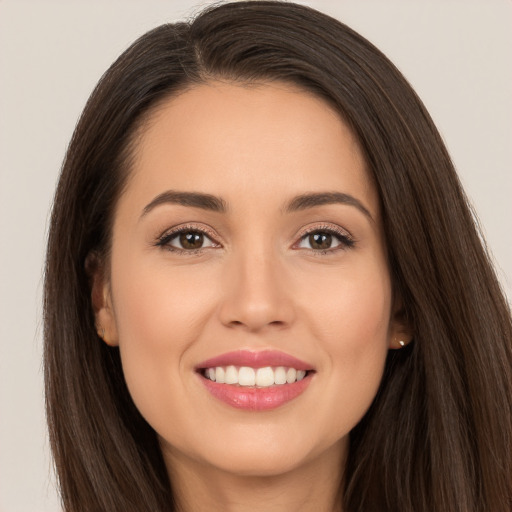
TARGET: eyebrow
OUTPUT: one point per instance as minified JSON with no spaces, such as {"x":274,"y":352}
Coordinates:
{"x":192,"y":199}
{"x":310,"y":200}
{"x":219,"y":205}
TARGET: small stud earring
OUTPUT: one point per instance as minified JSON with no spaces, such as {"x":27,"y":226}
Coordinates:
{"x":401,"y":343}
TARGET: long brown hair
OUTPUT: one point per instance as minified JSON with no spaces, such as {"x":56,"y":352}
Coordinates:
{"x":438,"y":436}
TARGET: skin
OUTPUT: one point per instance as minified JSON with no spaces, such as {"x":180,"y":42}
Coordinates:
{"x":259,"y":284}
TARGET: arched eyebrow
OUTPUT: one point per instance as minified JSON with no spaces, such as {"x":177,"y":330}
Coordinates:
{"x":311,"y":200}
{"x":219,"y":205}
{"x":192,"y":199}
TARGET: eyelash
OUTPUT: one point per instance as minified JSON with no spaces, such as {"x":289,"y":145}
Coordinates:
{"x":345,"y":240}
{"x":164,"y":240}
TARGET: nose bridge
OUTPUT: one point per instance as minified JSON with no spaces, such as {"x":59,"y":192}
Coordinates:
{"x":255,"y":295}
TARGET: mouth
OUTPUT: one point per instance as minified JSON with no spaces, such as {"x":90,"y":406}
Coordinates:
{"x":255,"y":381}
{"x":254,"y":377}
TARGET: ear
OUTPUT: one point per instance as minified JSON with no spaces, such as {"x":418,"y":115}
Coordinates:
{"x":400,"y":328}
{"x":101,"y":298}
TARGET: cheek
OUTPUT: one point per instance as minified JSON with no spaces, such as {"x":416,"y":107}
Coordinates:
{"x":351,"y":323}
{"x":353,"y":310}
{"x":155,"y":298}
{"x":159,"y":315}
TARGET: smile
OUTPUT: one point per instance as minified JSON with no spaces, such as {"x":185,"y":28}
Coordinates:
{"x":259,"y":377}
{"x":255,"y":381}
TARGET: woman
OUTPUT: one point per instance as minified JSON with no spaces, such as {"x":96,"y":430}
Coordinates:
{"x":264,"y":286}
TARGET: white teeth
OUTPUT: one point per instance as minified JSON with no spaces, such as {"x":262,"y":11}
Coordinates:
{"x":247,"y":376}
{"x":220,"y":375}
{"x":291,"y":375}
{"x":231,"y":375}
{"x":265,"y":377}
{"x":280,"y":375}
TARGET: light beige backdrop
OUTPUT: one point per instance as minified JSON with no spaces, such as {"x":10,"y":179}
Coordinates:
{"x":456,"y":54}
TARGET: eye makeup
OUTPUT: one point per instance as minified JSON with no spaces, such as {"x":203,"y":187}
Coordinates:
{"x":190,"y":239}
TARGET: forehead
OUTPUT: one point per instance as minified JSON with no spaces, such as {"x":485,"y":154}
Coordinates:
{"x":267,"y":140}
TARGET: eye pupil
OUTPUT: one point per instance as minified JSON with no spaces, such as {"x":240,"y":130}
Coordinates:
{"x":191,"y":240}
{"x":320,"y":240}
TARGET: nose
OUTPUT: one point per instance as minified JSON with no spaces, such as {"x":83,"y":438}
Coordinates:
{"x":255,"y":294}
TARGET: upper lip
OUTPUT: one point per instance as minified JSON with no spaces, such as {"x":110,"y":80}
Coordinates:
{"x":255,"y":359}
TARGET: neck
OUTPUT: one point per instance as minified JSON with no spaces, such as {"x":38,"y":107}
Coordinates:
{"x":313,"y":487}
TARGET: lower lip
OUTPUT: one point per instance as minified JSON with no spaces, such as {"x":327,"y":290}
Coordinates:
{"x":256,"y":399}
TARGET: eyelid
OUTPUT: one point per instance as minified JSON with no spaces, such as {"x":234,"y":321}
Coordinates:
{"x":171,"y":233}
{"x":346,"y":239}
{"x":331,"y":228}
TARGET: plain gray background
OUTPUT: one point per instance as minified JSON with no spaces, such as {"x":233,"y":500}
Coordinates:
{"x":456,"y":54}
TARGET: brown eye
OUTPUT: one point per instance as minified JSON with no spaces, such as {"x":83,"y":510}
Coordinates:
{"x":325,"y":240}
{"x":191,"y":240}
{"x":320,"y":241}
{"x":186,"y":240}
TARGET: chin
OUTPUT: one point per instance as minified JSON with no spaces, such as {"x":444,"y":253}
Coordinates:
{"x":267,"y":452}
{"x":262,"y":464}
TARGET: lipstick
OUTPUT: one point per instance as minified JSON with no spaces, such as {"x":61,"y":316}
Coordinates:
{"x":241,"y":378}
{"x":255,"y":359}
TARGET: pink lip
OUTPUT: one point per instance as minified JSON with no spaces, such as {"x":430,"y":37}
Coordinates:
{"x":256,"y":399}
{"x":254,"y":359}
{"x":253,"y":398}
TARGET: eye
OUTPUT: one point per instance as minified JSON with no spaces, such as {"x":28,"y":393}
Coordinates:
{"x":186,"y":240}
{"x":325,"y":240}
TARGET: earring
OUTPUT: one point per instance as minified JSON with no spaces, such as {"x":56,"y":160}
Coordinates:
{"x":397,"y":343}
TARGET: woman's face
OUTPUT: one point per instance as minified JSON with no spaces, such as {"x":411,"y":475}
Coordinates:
{"x":249,"y":234}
